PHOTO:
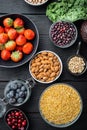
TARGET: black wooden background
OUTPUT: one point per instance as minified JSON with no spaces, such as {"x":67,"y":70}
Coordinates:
{"x":37,"y":14}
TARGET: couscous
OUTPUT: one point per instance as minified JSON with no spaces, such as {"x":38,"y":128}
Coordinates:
{"x":60,"y":104}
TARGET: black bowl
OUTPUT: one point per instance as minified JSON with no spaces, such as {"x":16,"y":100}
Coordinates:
{"x":27,"y":24}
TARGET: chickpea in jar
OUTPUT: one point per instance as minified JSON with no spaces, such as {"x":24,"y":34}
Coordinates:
{"x":45,"y":67}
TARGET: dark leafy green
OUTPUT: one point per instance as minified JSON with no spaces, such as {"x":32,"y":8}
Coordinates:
{"x":71,"y":10}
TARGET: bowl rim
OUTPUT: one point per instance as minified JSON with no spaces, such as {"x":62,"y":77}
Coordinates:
{"x":35,"y":4}
{"x":62,"y":125}
{"x":59,"y":61}
{"x":36,"y":46}
{"x":77,"y":74}
{"x":72,"y":42}
{"x":18,"y":110}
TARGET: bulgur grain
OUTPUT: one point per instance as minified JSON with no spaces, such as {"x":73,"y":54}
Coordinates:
{"x":60,"y":104}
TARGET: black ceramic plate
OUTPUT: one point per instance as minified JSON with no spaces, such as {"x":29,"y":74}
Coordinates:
{"x":27,"y":24}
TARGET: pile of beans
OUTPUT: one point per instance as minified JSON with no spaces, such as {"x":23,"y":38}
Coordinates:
{"x":36,"y":1}
{"x":63,"y":33}
{"x":45,"y":66}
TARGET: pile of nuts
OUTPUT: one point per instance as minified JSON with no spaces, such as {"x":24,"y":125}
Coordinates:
{"x":76,"y":64}
{"x":36,"y":1}
{"x":45,"y":67}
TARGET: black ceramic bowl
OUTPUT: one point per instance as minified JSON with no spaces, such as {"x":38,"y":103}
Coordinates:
{"x":13,"y":117}
{"x":27,"y":24}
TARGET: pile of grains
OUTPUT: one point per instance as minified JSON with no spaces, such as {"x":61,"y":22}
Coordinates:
{"x":76,"y":64}
{"x":36,"y":1}
{"x":60,"y":104}
{"x":45,"y":66}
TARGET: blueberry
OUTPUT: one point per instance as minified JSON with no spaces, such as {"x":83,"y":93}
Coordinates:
{"x":16,"y":95}
{"x":19,"y":84}
{"x":12,"y":100}
{"x":13,"y":86}
{"x":11,"y":93}
{"x":25,"y":93}
{"x":23,"y":88}
{"x":18,"y":90}
{"x":20,"y":100}
{"x":8,"y":95}
{"x":21,"y":94}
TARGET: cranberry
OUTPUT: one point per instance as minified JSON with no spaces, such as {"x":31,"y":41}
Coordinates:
{"x":13,"y":127}
{"x":9,"y":123}
{"x":17,"y":114}
{"x":24,"y":123}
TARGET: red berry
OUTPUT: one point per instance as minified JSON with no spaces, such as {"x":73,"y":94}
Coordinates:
{"x":13,"y":127}
{"x":17,"y":113}
{"x":19,"y":125}
{"x":24,"y":123}
{"x":13,"y":120}
{"x":19,"y":121}
{"x":9,"y":123}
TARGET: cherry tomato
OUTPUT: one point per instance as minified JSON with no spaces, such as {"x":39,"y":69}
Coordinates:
{"x":5,"y":54}
{"x":3,"y":38}
{"x":29,"y":34}
{"x":7,"y":29}
{"x":18,"y":23}
{"x":27,"y":48}
{"x":20,"y":40}
{"x":8,"y":22}
{"x":1,"y":29}
{"x":12,"y":33}
{"x":10,"y":45}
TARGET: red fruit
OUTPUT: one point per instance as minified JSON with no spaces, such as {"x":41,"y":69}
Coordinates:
{"x":13,"y":127}
{"x":1,"y":29}
{"x":17,"y":113}
{"x":24,"y":123}
{"x":16,"y":56}
{"x":20,"y":30}
{"x":8,"y":22}
{"x":7,"y":29}
{"x":19,"y":121}
{"x":27,"y":48}
{"x":5,"y":55}
{"x":9,"y":123}
{"x":20,"y":40}
{"x":13,"y":120}
{"x":3,"y":38}
{"x":19,"y":48}
{"x":12,"y":34}
{"x":29,"y":34}
{"x":19,"y":125}
{"x":18,"y":23}
{"x":10,"y":45}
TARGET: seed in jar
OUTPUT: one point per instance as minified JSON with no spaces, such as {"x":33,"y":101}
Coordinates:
{"x":45,"y":69}
{"x":76,"y":64}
